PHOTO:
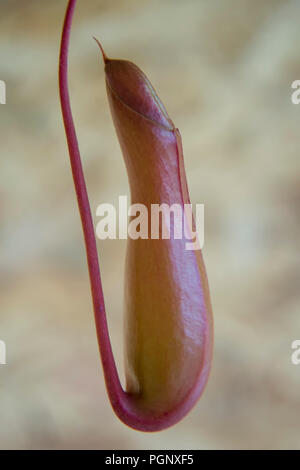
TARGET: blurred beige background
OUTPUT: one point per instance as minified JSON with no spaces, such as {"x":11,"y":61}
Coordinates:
{"x":224,"y":71}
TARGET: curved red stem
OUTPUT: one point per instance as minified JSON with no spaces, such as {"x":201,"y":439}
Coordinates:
{"x":114,"y":387}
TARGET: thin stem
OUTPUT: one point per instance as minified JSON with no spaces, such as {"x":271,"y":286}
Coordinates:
{"x":115,"y":390}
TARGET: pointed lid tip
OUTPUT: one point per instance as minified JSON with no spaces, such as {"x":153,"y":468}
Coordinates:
{"x":105,"y":58}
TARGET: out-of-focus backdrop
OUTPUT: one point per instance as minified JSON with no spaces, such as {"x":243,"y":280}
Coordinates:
{"x":224,"y":71}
